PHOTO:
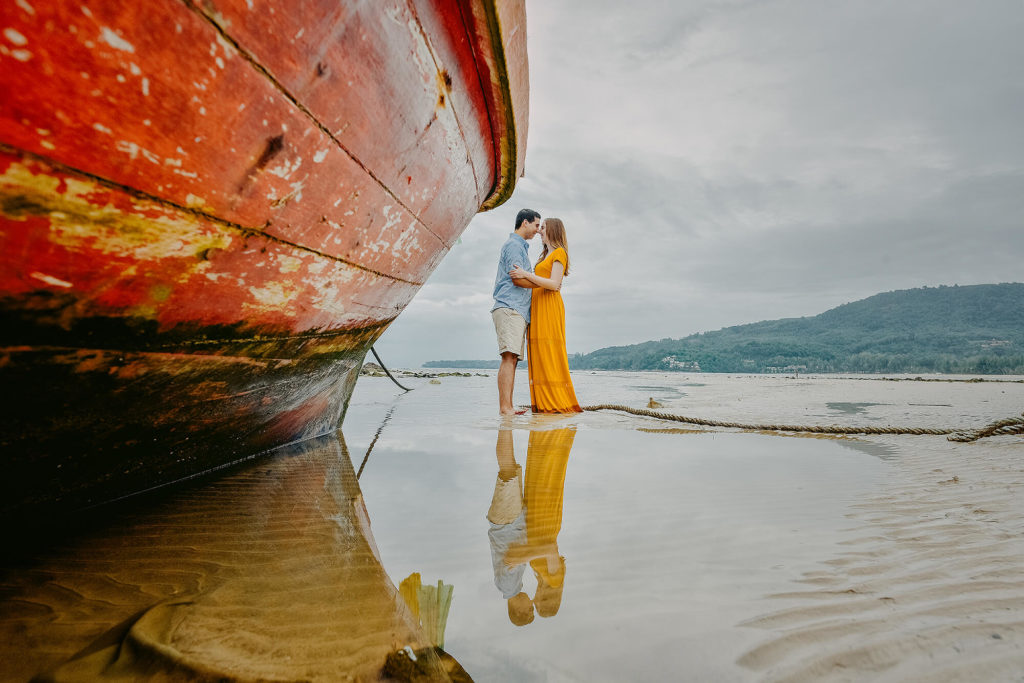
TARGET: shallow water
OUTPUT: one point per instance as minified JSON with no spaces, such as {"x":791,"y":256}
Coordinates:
{"x":670,"y":537}
{"x":667,"y":538}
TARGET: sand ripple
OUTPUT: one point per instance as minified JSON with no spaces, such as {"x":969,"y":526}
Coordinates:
{"x":928,"y":584}
{"x":270,"y":573}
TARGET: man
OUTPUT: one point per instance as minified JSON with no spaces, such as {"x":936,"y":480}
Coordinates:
{"x":511,"y":312}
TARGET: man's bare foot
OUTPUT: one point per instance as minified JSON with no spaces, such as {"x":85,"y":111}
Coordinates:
{"x":512,"y":411}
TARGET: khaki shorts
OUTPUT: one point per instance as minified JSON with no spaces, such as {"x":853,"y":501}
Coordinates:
{"x":511,"y":329}
{"x":507,"y":501}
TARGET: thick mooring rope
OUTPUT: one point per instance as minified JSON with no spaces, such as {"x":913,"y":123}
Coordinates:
{"x":388,"y":372}
{"x":1013,"y":425}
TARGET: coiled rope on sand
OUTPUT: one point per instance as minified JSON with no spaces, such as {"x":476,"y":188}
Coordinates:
{"x":1013,"y":425}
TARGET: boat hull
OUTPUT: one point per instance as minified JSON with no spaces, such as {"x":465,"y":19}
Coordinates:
{"x":210,"y":211}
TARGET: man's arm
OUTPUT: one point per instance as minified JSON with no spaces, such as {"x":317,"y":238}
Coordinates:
{"x":524,"y":283}
{"x":553,"y":283}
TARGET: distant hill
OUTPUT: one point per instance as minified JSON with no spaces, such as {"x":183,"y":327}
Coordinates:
{"x":972,"y":329}
{"x":976,"y":329}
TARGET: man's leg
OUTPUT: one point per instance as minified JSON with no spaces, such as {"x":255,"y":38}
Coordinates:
{"x":511,"y":331}
{"x":506,"y":454}
{"x":506,"y":382}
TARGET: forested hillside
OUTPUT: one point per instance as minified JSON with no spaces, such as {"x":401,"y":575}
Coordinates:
{"x":971,"y":329}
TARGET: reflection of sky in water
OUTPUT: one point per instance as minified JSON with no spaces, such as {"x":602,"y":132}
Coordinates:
{"x":668,"y":539}
{"x":267,"y":571}
{"x":850,"y":408}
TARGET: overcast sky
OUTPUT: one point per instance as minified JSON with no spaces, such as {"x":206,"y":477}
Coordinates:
{"x":721,"y":163}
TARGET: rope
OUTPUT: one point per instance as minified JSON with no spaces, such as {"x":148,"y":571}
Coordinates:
{"x":973,"y":380}
{"x":1013,"y":425}
{"x":376,"y":436}
{"x":386,"y":372}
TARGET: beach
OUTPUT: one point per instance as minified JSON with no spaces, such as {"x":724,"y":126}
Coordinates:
{"x":926,"y":584}
{"x":729,"y":555}
{"x":682,"y":552}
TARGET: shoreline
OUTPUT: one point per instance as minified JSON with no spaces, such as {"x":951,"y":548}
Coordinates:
{"x":886,"y":377}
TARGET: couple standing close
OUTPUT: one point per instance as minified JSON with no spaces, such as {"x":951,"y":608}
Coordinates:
{"x":527,"y":303}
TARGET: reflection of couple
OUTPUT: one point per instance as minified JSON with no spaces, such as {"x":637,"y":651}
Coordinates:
{"x":524,"y":525}
{"x":530,"y":300}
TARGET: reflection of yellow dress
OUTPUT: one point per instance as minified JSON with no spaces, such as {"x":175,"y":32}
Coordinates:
{"x":546,"y":462}
{"x":551,"y":388}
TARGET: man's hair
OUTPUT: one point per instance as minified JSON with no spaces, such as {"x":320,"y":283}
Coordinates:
{"x":520,"y":609}
{"x":526,"y":216}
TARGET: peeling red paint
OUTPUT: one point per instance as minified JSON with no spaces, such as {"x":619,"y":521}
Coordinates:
{"x":115,"y":249}
{"x":111,"y":139}
{"x":209,"y":212}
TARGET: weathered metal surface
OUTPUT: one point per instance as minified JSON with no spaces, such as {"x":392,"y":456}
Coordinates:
{"x":350,"y":45}
{"x":459,"y":74}
{"x":182,"y":115}
{"x":77,"y":248}
{"x":499,"y":43}
{"x":169,"y":343}
{"x":209,"y":211}
{"x":91,"y":425}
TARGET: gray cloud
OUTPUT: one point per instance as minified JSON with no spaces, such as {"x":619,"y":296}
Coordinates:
{"x":719,"y":163}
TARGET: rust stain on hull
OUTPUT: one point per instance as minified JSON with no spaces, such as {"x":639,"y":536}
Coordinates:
{"x":121,"y":253}
{"x":119,"y":422}
{"x":210,"y":210}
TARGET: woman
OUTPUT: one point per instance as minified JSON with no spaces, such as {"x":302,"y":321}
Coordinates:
{"x":550,"y":385}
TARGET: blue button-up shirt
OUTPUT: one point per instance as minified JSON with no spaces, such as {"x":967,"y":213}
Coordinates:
{"x":515,"y":252}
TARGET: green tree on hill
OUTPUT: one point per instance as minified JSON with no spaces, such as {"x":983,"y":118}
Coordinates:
{"x":971,"y":329}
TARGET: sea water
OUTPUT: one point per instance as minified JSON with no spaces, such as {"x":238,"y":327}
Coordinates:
{"x":671,"y":536}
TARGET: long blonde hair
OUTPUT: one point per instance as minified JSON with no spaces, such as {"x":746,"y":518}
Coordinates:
{"x":554,"y":230}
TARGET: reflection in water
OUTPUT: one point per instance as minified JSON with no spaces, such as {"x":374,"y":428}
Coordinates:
{"x":850,"y":408}
{"x":524,"y":523}
{"x":267,"y":573}
{"x":429,"y":605}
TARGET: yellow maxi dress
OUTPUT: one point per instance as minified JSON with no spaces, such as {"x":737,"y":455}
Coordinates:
{"x":551,"y":388}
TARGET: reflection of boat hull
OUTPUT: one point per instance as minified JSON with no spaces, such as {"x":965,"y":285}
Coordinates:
{"x":209,"y":211}
{"x":272,"y":573}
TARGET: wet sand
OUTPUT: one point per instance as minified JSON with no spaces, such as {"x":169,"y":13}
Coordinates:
{"x":672,"y":553}
{"x":268,"y":572}
{"x":719,"y":555}
{"x":926,"y":584}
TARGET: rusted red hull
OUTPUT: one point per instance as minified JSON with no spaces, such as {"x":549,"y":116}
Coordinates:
{"x":210,"y":210}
